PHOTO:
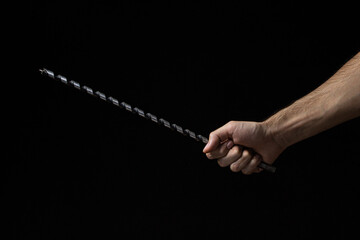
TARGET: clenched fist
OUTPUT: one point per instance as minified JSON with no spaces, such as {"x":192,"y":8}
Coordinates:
{"x":242,"y":146}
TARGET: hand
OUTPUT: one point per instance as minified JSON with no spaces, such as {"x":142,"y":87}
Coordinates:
{"x":243,"y":145}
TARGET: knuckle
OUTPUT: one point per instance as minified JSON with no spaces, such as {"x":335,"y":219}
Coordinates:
{"x":231,"y":123}
{"x":255,"y":161}
{"x":234,"y":167}
{"x":236,"y":150}
{"x":223,"y":150}
{"x":209,"y":156}
{"x":246,"y":153}
{"x":222,"y":163}
{"x":252,"y":166}
{"x":241,"y":164}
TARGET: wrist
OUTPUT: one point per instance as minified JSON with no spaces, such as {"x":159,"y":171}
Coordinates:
{"x":291,"y":125}
{"x":275,"y":133}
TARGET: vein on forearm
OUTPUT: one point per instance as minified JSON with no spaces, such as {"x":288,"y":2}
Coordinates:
{"x":335,"y":101}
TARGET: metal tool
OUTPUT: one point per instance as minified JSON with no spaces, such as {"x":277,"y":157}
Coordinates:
{"x":137,"y":111}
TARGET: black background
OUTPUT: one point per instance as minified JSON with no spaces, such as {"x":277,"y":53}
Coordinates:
{"x":75,"y":167}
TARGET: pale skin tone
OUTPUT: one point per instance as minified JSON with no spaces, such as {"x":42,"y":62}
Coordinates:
{"x":243,"y":145}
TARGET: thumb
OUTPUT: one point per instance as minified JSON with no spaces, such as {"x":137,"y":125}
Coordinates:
{"x":217,"y":137}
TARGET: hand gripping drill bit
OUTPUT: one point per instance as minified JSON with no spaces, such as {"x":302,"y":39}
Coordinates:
{"x":137,"y":111}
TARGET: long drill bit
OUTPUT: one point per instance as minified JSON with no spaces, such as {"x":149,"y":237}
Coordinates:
{"x":137,"y":111}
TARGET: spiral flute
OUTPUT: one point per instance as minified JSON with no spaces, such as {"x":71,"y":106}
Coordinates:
{"x":137,"y":111}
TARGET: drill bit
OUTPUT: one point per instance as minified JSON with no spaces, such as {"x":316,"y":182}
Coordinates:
{"x":137,"y":111}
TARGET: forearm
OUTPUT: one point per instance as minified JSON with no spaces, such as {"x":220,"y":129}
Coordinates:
{"x":334,"y":102}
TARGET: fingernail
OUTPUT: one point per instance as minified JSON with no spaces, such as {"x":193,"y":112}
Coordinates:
{"x":230,"y":144}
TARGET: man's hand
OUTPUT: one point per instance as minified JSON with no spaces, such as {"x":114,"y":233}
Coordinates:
{"x":243,"y":145}
{"x":335,"y":101}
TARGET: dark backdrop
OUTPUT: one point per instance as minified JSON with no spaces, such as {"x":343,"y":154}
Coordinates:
{"x":78,"y":168}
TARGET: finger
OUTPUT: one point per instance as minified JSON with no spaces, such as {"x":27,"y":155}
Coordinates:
{"x":221,"y":151}
{"x":258,"y":170}
{"x":233,"y":155}
{"x":240,"y":163}
{"x":219,"y":135}
{"x":252,"y":166}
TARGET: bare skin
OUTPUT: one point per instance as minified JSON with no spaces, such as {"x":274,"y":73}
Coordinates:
{"x":243,"y":145}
